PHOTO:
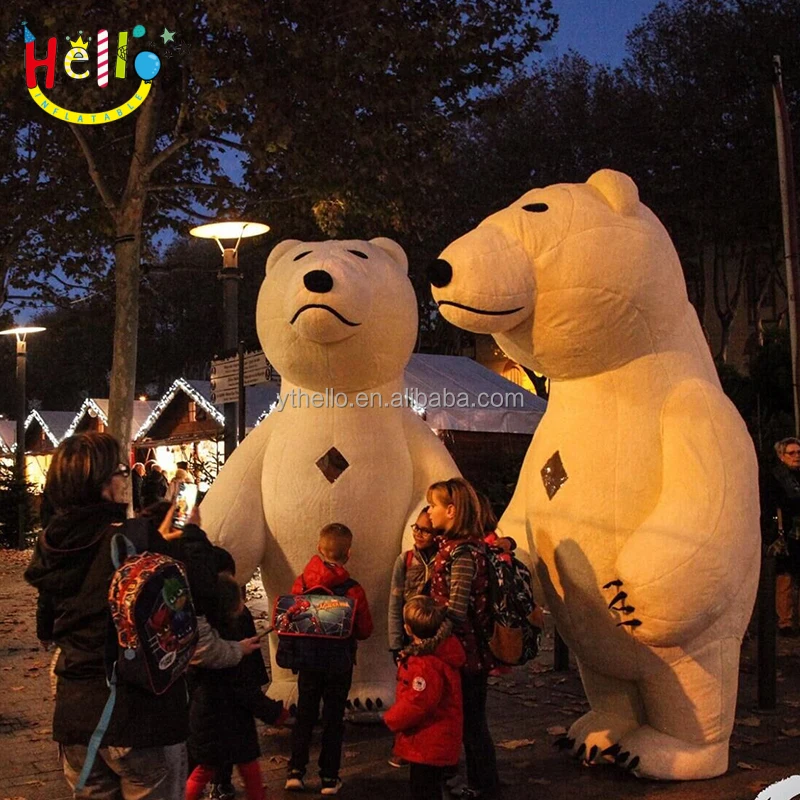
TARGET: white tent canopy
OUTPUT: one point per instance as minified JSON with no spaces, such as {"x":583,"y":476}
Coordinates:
{"x":459,"y":394}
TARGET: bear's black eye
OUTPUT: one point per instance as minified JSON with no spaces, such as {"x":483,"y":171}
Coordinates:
{"x":301,"y":255}
{"x":536,"y":208}
{"x":358,"y":253}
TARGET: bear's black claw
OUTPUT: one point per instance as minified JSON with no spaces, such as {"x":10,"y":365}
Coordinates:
{"x":612,"y":751}
{"x":378,"y":702}
{"x":617,"y":597}
{"x":369,"y":704}
{"x":581,"y":751}
{"x":616,"y":583}
{"x":564,"y":743}
{"x":634,"y":762}
{"x":620,"y":757}
{"x":593,"y":752}
{"x":633,"y":623}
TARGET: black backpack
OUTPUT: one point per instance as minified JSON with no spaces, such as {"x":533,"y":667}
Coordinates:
{"x":315,"y":629}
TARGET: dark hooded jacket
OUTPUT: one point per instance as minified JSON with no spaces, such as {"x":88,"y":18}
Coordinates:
{"x":72,"y":569}
{"x":228,"y":700}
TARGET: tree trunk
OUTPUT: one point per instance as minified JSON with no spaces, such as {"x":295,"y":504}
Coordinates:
{"x":126,"y":322}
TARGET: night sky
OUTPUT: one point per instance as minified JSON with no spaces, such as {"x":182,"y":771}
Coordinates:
{"x":595,"y":28}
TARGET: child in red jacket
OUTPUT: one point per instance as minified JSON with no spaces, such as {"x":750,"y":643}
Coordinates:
{"x":427,"y":715}
{"x":331,"y":684}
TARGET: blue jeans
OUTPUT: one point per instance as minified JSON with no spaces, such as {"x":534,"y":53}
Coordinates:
{"x":128,"y":773}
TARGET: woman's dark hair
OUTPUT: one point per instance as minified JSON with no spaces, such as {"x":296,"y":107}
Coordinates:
{"x":82,"y":465}
{"x":229,"y":597}
{"x":223,"y":560}
{"x":488,"y":517}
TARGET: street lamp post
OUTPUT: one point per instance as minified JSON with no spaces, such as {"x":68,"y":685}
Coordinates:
{"x":22,"y":412}
{"x":230,"y":277}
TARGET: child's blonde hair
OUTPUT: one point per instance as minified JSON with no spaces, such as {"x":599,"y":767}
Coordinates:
{"x":467,"y":522}
{"x":424,"y":616}
{"x":335,"y":541}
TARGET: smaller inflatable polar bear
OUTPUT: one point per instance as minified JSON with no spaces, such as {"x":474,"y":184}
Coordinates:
{"x":336,"y":319}
{"x":638,"y":494}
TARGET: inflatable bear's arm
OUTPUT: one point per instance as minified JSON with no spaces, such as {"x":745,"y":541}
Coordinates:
{"x":233,"y":511}
{"x":690,"y":557}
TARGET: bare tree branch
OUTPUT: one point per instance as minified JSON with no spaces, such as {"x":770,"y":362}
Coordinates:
{"x":94,"y":173}
{"x":184,"y":109}
{"x":158,"y":188}
{"x":166,"y":154}
{"x":226,"y":143}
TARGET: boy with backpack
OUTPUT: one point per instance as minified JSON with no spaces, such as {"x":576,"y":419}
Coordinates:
{"x":324,"y":667}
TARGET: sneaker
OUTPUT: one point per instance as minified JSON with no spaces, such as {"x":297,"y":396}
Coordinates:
{"x":396,"y":761}
{"x":330,"y":786}
{"x":294,"y":781}
{"x":222,"y":791}
{"x":454,"y":781}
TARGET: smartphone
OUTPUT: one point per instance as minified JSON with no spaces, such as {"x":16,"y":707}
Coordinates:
{"x":185,"y":500}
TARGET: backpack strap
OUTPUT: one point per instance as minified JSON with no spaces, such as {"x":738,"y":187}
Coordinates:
{"x":99,"y":731}
{"x":343,"y":588}
{"x":132,"y":538}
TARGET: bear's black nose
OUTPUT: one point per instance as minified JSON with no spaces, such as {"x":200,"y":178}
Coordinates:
{"x":440,"y":273}
{"x":318,"y":281}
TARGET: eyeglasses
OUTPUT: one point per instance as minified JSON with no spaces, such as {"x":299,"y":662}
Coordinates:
{"x":122,"y":470}
{"x":792,"y":453}
{"x":417,"y":529}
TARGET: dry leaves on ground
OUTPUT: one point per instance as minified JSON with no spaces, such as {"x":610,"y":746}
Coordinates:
{"x":557,"y":730}
{"x":749,"y":722}
{"x":515,"y":744}
{"x":792,"y":733}
{"x":745,"y":765}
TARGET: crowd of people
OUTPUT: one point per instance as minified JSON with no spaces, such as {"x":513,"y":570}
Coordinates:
{"x":173,"y":745}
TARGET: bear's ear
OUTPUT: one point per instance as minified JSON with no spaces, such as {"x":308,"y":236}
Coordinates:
{"x":618,"y":189}
{"x":279,"y":251}
{"x":393,"y":250}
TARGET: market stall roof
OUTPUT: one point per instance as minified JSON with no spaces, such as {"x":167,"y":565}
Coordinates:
{"x":8,"y":435}
{"x":458,"y":394}
{"x":198,"y":391}
{"x":54,"y":424}
{"x":98,"y":407}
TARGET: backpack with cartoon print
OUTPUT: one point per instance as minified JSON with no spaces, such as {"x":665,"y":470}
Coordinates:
{"x":152,"y":628}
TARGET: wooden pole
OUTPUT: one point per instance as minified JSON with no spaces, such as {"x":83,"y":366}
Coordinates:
{"x":789,"y":212}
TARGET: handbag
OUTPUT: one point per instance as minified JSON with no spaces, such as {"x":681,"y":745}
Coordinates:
{"x":779,"y":548}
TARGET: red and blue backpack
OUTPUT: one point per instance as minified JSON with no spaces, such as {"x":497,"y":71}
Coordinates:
{"x":152,"y":628}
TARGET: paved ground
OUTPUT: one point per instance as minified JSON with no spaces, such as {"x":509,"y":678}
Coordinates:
{"x":523,"y":706}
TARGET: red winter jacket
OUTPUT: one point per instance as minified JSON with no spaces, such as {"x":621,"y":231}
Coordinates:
{"x":427,"y":715}
{"x":322,"y":573}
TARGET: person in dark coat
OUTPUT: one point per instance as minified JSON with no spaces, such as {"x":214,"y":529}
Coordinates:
{"x":143,"y":752}
{"x":226,"y":702}
{"x":780,"y":509}
{"x":154,"y":484}
{"x":137,"y":476}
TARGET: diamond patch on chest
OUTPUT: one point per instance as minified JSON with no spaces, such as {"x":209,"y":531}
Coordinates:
{"x":554,"y":476}
{"x":332,"y":464}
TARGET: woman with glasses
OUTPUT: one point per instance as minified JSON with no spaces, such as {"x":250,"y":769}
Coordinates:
{"x":143,"y":753}
{"x":411,"y":576}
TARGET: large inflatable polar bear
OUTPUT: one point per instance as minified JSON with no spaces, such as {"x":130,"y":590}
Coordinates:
{"x":335,"y":319}
{"x":638,"y":494}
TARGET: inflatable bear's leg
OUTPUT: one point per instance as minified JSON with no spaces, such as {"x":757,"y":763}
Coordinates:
{"x":690,"y":708}
{"x":617,"y":709}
